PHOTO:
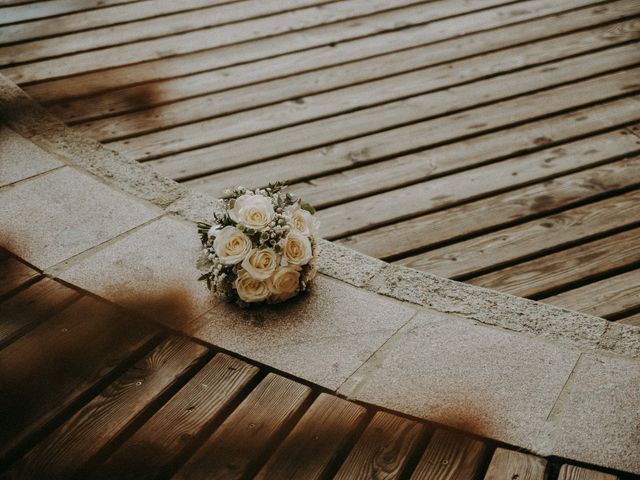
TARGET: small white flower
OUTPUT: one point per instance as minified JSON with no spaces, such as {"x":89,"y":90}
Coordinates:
{"x":260,"y":264}
{"x":231,"y":245}
{"x":213,"y":231}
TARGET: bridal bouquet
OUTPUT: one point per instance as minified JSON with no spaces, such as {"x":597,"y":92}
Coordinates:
{"x":262,"y":246}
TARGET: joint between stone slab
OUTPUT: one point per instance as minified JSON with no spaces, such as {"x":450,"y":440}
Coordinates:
{"x":54,"y":270}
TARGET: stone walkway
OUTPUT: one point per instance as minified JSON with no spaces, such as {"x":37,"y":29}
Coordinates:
{"x":551,"y":381}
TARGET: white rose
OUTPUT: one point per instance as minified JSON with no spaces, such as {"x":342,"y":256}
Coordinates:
{"x":231,"y":245}
{"x":252,"y":211}
{"x":261,"y":263}
{"x":250,"y":289}
{"x":297,"y":249}
{"x":284,"y":283}
{"x":303,"y":222}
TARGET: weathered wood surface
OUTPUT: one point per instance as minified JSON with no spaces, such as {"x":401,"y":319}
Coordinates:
{"x":451,"y":456}
{"x":248,"y":431}
{"x":509,"y":465}
{"x":93,"y":393}
{"x":571,"y":472}
{"x":383,"y":449}
{"x":423,"y":130}
{"x":14,"y":274}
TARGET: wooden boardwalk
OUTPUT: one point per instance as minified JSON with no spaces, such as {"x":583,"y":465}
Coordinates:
{"x":494,"y":142}
{"x":88,"y":391}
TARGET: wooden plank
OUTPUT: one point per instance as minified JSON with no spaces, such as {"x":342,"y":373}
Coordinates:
{"x":507,"y":465}
{"x":313,"y":444}
{"x":572,"y":472}
{"x":212,"y":105}
{"x":377,"y":117}
{"x":136,"y":31}
{"x":369,"y":212}
{"x":450,"y":456}
{"x":631,"y":320}
{"x":383,"y":449}
{"x":604,"y":298}
{"x":210,"y":38}
{"x":67,"y":449}
{"x":31,"y":306}
{"x":407,"y":169}
{"x":562,"y":268}
{"x":380,"y":26}
{"x":86,"y":20}
{"x":332,"y":60}
{"x":13,"y":274}
{"x":516,"y":205}
{"x":43,"y":9}
{"x":166,"y":435}
{"x":55,"y":364}
{"x":248,"y":431}
{"x":365,"y":149}
{"x":528,"y":239}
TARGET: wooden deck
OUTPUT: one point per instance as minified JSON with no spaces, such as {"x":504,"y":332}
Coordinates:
{"x":494,"y":142}
{"x":88,"y":391}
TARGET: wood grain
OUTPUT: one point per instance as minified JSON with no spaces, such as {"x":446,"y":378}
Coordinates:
{"x":13,"y":274}
{"x":558,"y":269}
{"x":531,"y":238}
{"x":633,"y":320}
{"x":572,"y":472}
{"x":46,"y":370}
{"x":450,"y":456}
{"x":165,"y":436}
{"x":420,"y":198}
{"x":383,"y":449}
{"x":137,"y":31}
{"x":31,"y":11}
{"x":320,"y":131}
{"x":248,"y":431}
{"x":500,"y":209}
{"x":507,"y":465}
{"x":69,"y":447}
{"x":365,"y":149}
{"x":31,"y":306}
{"x":344,"y":76}
{"x":604,"y":298}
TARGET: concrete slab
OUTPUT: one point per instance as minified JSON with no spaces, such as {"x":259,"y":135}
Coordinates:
{"x":480,"y":379}
{"x":20,"y":158}
{"x":151,"y":270}
{"x":52,"y":217}
{"x":323,"y":336}
{"x":596,"y":418}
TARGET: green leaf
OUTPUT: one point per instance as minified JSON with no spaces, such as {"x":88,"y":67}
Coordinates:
{"x":307,"y":206}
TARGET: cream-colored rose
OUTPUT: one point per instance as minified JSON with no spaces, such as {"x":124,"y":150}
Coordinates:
{"x":303,"y":222}
{"x":297,"y":249}
{"x":284,"y":283}
{"x":231,"y":245}
{"x":253,"y":211}
{"x":250,"y":289}
{"x":261,"y":263}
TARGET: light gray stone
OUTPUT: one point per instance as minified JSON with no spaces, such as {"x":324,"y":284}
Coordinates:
{"x":32,"y":121}
{"x":54,"y":216}
{"x":20,"y":158}
{"x":347,"y":265}
{"x":322,"y":336}
{"x":456,"y":372}
{"x":597,"y":418}
{"x":196,"y":207}
{"x":152,"y":270}
{"x":622,"y":339}
{"x":490,"y":307}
